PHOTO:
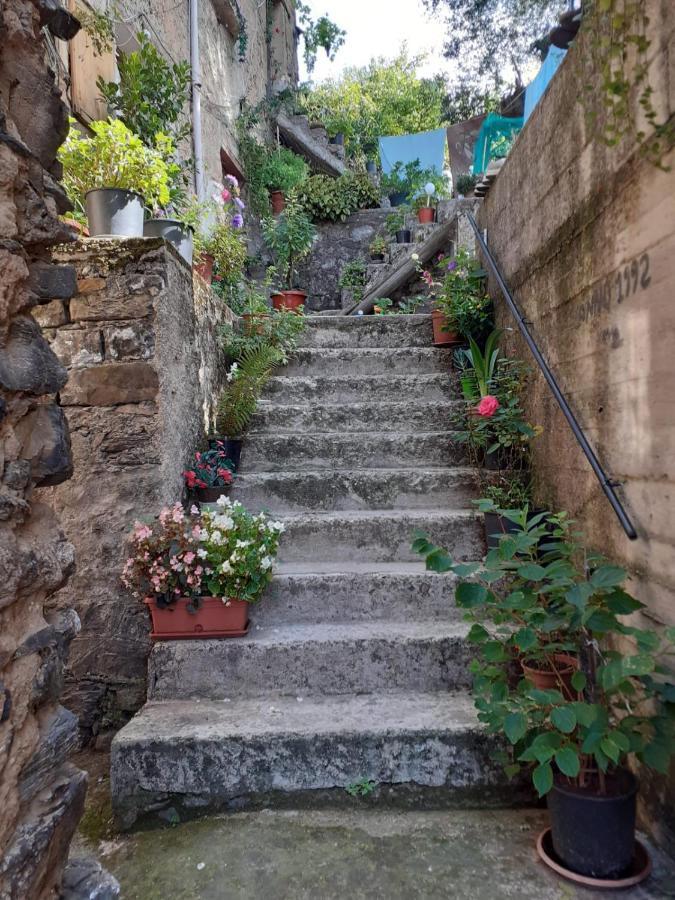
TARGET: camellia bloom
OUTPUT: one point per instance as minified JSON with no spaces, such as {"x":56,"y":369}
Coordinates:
{"x":488,"y":406}
{"x":225,"y":194}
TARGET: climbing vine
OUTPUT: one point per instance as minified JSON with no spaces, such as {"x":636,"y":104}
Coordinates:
{"x":616,"y":54}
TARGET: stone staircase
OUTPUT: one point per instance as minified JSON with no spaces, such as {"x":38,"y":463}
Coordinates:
{"x":312,"y":143}
{"x":356,"y":663}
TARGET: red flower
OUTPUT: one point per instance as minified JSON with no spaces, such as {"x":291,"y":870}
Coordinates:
{"x":200,"y":484}
{"x":226,"y":475}
{"x":189,"y":478}
{"x":488,"y":406}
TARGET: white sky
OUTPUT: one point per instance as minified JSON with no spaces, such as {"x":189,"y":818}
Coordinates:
{"x":378,"y":28}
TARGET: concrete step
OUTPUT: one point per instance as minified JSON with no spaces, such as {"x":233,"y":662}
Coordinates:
{"x":362,"y":417}
{"x":356,"y":489}
{"x":369,"y":361}
{"x":379,"y":535}
{"x":358,"y":388}
{"x":345,"y":591}
{"x":231,"y":755}
{"x":356,"y":450}
{"x":367,"y":331}
{"x":314,"y":660}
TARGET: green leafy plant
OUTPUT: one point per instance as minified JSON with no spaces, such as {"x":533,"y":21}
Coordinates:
{"x":477,"y":367}
{"x":396,"y":220}
{"x":378,"y":246}
{"x":246,"y":379}
{"x":283,"y":170}
{"x":151,"y":95}
{"x":466,"y":184}
{"x":328,"y":199}
{"x":404,"y":178}
{"x":318,"y":34}
{"x":353,"y":278}
{"x":537,"y":601}
{"x":228,"y":249}
{"x":276,"y":328}
{"x":113,"y":157}
{"x":505,"y":490}
{"x":362,"y":788}
{"x":209,"y":468}
{"x":463,"y":297}
{"x":289,"y":236}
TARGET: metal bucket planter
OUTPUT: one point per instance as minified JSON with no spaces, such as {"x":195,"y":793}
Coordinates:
{"x":113,"y":212}
{"x":174,"y":232}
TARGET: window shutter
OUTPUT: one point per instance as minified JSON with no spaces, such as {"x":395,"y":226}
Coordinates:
{"x":85,"y":67}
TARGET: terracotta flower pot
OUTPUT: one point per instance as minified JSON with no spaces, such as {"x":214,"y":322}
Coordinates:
{"x":425,"y":215}
{"x":213,"y":619}
{"x":548,"y":680}
{"x":289,"y":299}
{"x":278,"y":202}
{"x":204,"y":268}
{"x":441,"y":335}
{"x":211,"y":494}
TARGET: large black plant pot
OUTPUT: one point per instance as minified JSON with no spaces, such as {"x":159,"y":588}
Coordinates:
{"x":404,"y":236}
{"x":594,"y":834}
{"x":398,"y":198}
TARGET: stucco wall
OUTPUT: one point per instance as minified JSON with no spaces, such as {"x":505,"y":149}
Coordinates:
{"x":585,"y":236}
{"x":144,"y":368}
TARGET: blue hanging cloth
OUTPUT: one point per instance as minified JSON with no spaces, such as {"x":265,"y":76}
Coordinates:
{"x":535,"y":90}
{"x":427,"y":146}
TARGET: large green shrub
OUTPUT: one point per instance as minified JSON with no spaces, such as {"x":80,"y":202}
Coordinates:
{"x":113,"y":157}
{"x":327,"y":199}
{"x":283,"y":170}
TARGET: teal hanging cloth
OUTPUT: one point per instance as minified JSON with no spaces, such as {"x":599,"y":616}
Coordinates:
{"x":535,"y":89}
{"x":427,"y":146}
{"x":494,"y":140}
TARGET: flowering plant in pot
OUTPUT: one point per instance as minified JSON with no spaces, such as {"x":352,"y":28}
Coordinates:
{"x":613,"y":707}
{"x":289,"y":236}
{"x":112,"y":175}
{"x":443,"y":323}
{"x":378,"y":248}
{"x":210,"y":475}
{"x":463,"y":296}
{"x":221,"y":245}
{"x":197,"y":573}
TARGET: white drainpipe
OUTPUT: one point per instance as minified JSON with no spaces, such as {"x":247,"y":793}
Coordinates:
{"x":196,"y":99}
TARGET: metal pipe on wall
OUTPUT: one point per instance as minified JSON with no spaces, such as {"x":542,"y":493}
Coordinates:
{"x":196,"y":76}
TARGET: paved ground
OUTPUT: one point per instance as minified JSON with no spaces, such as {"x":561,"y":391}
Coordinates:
{"x":360,"y":854}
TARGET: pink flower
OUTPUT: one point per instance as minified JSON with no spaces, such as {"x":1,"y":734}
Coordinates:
{"x":488,"y":406}
{"x":225,"y":194}
{"x":232,"y":180}
{"x":189,"y":557}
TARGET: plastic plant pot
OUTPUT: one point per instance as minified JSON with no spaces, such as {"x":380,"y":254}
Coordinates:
{"x":114,"y":212}
{"x":174,"y":232}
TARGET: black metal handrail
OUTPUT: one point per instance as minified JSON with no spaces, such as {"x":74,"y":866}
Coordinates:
{"x":606,"y":483}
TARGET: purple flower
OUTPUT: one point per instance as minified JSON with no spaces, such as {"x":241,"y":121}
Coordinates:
{"x":240,"y":203}
{"x":452,"y":265}
{"x":237,"y":221}
{"x":232,"y":180}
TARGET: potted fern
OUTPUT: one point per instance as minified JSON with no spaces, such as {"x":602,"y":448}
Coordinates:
{"x":289,"y":237}
{"x":112,"y":175}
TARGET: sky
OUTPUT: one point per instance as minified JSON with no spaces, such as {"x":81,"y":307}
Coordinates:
{"x":378,"y":28}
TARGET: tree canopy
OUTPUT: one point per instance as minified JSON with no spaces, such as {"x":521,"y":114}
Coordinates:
{"x":495,"y":40}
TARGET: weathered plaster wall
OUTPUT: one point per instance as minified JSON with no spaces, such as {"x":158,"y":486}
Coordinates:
{"x":585,"y":236}
{"x":41,"y":794}
{"x":140,"y":348}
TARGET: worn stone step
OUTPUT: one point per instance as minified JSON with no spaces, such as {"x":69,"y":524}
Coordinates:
{"x":356,"y":489}
{"x":293,"y":453}
{"x":314,"y":660}
{"x":367,"y":331}
{"x":359,"y":388}
{"x":346,"y":591}
{"x":379,"y":535}
{"x":385,"y":417}
{"x":216,"y":755}
{"x":379,"y":361}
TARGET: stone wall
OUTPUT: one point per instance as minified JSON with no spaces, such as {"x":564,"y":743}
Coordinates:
{"x":41,"y":794}
{"x":140,"y":349}
{"x":585,"y":236}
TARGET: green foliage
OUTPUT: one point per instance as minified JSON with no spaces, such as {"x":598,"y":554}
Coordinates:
{"x":378,"y":245}
{"x":276,"y":328}
{"x":246,"y":379}
{"x":151,"y":94}
{"x":396,"y":220}
{"x":507,"y":490}
{"x":385,"y":306}
{"x":536,"y":603}
{"x":478,"y":367}
{"x":362,"y":788}
{"x":289,"y":236}
{"x":254,"y":157}
{"x":495,"y":40}
{"x":353,"y":278}
{"x":319,"y":34}
{"x":100,"y":28}
{"x":463,"y":297}
{"x":384,"y":97}
{"x":466,"y":184}
{"x":328,"y":199}
{"x":283,"y":170}
{"x":112,"y":157}
{"x":228,"y":249}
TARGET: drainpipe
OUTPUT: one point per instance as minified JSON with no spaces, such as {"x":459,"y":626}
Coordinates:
{"x":196,"y":74}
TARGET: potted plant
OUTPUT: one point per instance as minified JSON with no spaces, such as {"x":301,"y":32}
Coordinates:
{"x":282,"y":171}
{"x":396,"y":225}
{"x":219,"y":245}
{"x":210,"y":475}
{"x":378,"y":248}
{"x":465,"y":185}
{"x":425,"y":204}
{"x":289,"y":237}
{"x":442,"y":320}
{"x":400,"y":181}
{"x":508,"y":491}
{"x":197,"y":573}
{"x":111,"y":175}
{"x":464,"y":294}
{"x":614,"y":706}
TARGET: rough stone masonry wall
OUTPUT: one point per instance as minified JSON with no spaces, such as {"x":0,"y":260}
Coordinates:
{"x":140,"y":349}
{"x":585,"y":236}
{"x":41,"y":794}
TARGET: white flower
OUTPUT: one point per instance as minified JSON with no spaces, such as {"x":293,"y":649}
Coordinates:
{"x":415,"y":256}
{"x":277,"y":526}
{"x":266,"y":563}
{"x":225,"y":568}
{"x":225,"y":523}
{"x":241,"y":545}
{"x":201,"y":553}
{"x":234,"y":368}
{"x":224,"y":500}
{"x":217,"y":537}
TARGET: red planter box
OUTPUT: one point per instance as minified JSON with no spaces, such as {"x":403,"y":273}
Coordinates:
{"x":214,"y":619}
